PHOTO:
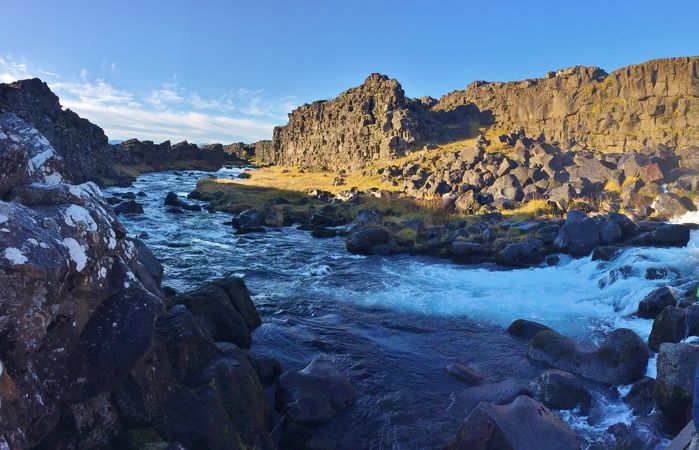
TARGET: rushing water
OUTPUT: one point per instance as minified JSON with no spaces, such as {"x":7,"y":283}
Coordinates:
{"x":394,"y":323}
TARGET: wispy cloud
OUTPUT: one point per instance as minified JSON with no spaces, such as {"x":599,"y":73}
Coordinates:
{"x":170,"y":111}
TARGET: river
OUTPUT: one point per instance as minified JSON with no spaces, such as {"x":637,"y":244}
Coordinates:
{"x":394,"y":323}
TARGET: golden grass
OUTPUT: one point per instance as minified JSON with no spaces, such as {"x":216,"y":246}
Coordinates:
{"x":531,"y":209}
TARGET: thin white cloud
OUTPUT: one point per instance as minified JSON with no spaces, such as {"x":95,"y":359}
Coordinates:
{"x":170,"y":112}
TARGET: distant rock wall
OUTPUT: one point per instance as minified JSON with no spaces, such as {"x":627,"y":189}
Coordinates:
{"x":649,"y":104}
{"x":372,"y":121}
{"x":83,"y":145}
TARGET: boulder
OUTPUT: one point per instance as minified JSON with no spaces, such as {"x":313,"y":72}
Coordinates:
{"x":621,"y":358}
{"x":249,"y":221}
{"x":640,"y":396}
{"x":669,"y":326}
{"x":129,"y":207}
{"x":528,"y":252}
{"x":524,"y":424}
{"x":465,"y":250}
{"x":674,"y":384}
{"x":605,"y":253}
{"x":362,"y":240}
{"x":668,"y":205}
{"x":654,"y":303}
{"x":314,"y":395}
{"x":526,"y":329}
{"x":579,"y":235}
{"x":172,"y":199}
{"x":558,"y":389}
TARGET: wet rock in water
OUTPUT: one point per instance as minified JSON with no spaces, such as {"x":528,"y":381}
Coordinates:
{"x":674,"y":384}
{"x":465,"y":373}
{"x":605,"y":253}
{"x":528,"y":252}
{"x":323,"y":233}
{"x":669,"y":326}
{"x":249,"y":221}
{"x":640,"y":396}
{"x":526,"y":329}
{"x":665,"y":235}
{"x":363,"y":239}
{"x":579,"y":234}
{"x":499,"y":393}
{"x":558,"y":389}
{"x":113,"y":200}
{"x":523,"y":424}
{"x":267,"y":369}
{"x":658,"y":273}
{"x":129,"y":207}
{"x":315,"y":394}
{"x":172,"y":199}
{"x":641,"y":435}
{"x":654,"y":303}
{"x":621,"y":358}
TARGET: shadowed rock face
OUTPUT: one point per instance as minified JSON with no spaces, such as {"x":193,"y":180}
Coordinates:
{"x":649,"y":104}
{"x":89,"y":355}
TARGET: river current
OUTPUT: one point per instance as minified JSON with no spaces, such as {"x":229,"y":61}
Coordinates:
{"x":394,"y":323}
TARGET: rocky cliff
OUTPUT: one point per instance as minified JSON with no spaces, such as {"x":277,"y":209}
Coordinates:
{"x":372,"y":121}
{"x":84,"y":147}
{"x":93,"y":354}
{"x":649,"y":104}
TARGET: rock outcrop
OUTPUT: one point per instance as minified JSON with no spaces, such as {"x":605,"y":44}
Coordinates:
{"x":84,"y":147}
{"x":652,"y":103}
{"x":371,"y":121}
{"x":91,"y":356}
{"x":655,"y":103}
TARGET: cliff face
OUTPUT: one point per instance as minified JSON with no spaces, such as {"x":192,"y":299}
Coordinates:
{"x":653,"y":103}
{"x":648,"y":104}
{"x":374,"y":120}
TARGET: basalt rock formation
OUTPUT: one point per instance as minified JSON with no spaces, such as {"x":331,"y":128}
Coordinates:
{"x":374,"y":120}
{"x":649,"y":104}
{"x":84,"y":147}
{"x":92,"y":353}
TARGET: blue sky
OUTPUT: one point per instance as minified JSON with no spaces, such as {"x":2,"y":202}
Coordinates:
{"x":230,"y":70}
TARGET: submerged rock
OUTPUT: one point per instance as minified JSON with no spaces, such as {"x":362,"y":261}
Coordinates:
{"x":523,"y":424}
{"x":315,"y":394}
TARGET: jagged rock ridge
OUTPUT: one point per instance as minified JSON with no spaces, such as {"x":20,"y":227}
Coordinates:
{"x":649,"y":104}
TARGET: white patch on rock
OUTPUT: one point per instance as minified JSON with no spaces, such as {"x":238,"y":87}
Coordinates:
{"x":33,"y":241}
{"x":3,"y":218}
{"x":77,"y":253}
{"x":15,"y":255}
{"x":75,"y":214}
{"x":39,"y":159}
{"x":103,"y":272}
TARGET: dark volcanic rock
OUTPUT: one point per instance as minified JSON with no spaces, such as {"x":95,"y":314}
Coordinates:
{"x":523,"y":424}
{"x":129,"y":207}
{"x":363,"y":239}
{"x":172,"y":199}
{"x":669,"y":326}
{"x":525,"y":253}
{"x":526,"y":329}
{"x":579,"y":235}
{"x":674,"y":385}
{"x":654,"y":303}
{"x":315,"y":394}
{"x":558,"y":389}
{"x":621,"y":358}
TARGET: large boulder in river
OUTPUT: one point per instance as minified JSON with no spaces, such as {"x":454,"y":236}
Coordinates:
{"x":172,"y":199}
{"x":315,"y":394}
{"x":524,"y":424}
{"x":674,"y":384}
{"x":526,"y":329}
{"x":669,"y":326}
{"x":525,"y":253}
{"x":362,"y":240}
{"x":654,"y":303}
{"x":621,"y":358}
{"x":579,"y":234}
